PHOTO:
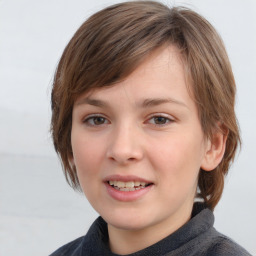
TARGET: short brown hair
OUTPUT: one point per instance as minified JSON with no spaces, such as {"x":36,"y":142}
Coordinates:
{"x":114,"y":41}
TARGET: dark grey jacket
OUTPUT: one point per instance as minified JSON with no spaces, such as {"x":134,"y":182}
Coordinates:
{"x":196,"y":238}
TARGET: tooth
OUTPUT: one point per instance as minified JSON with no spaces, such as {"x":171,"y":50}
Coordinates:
{"x":124,"y":189}
{"x":129,"y":184}
{"x":132,"y":189}
{"x":136,"y":183}
{"x":120,"y":184}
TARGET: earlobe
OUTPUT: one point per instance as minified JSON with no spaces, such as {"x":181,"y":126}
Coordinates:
{"x":215,"y":150}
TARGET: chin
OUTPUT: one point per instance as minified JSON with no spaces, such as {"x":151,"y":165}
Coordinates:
{"x":124,"y":225}
{"x":127,"y":221}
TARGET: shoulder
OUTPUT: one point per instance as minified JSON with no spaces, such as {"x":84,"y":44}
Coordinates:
{"x":223,"y":245}
{"x":69,"y":249}
{"x":90,"y":244}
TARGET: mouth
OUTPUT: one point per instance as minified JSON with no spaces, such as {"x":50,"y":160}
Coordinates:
{"x":129,"y":185}
{"x":127,"y":188}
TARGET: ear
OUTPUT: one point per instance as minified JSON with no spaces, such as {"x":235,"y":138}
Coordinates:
{"x":215,"y":149}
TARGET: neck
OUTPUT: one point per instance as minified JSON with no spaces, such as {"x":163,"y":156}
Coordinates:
{"x":125,"y":241}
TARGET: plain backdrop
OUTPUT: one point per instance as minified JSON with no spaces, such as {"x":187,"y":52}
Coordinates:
{"x":38,"y":211}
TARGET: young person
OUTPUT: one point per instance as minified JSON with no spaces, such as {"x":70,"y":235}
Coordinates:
{"x":143,"y":120}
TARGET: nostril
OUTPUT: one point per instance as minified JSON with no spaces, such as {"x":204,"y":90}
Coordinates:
{"x":124,"y":154}
{"x":131,"y":159}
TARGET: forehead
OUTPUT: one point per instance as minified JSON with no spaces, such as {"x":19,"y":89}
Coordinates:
{"x":159,"y":79}
{"x":163,"y":66}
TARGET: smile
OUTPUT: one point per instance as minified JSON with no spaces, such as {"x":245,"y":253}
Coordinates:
{"x":128,"y":186}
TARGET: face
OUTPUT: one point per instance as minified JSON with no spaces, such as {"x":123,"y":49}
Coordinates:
{"x":138,"y":146}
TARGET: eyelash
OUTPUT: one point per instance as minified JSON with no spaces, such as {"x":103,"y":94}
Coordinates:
{"x":92,"y":118}
{"x":167,"y":120}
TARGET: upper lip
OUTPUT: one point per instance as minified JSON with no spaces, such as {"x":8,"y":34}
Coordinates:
{"x":125,"y":178}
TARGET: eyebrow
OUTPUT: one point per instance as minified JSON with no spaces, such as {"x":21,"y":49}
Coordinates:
{"x":93,"y":102}
{"x":146,"y":103}
{"x":158,"y":101}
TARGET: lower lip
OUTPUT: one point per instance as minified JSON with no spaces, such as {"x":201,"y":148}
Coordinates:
{"x":127,"y":196}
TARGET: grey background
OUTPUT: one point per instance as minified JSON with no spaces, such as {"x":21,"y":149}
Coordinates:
{"x":38,"y":211}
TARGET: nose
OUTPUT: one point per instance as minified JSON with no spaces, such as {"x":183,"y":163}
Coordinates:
{"x":125,"y":145}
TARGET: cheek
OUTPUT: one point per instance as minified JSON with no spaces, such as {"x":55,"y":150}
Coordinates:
{"x":87,"y":159}
{"x":179,"y":156}
{"x":87,"y":156}
{"x":178,"y":172}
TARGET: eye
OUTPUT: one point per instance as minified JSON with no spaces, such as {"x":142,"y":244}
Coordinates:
{"x":160,"y":120}
{"x":95,"y":120}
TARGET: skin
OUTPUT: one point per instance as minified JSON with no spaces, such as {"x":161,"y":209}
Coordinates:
{"x":114,"y":133}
